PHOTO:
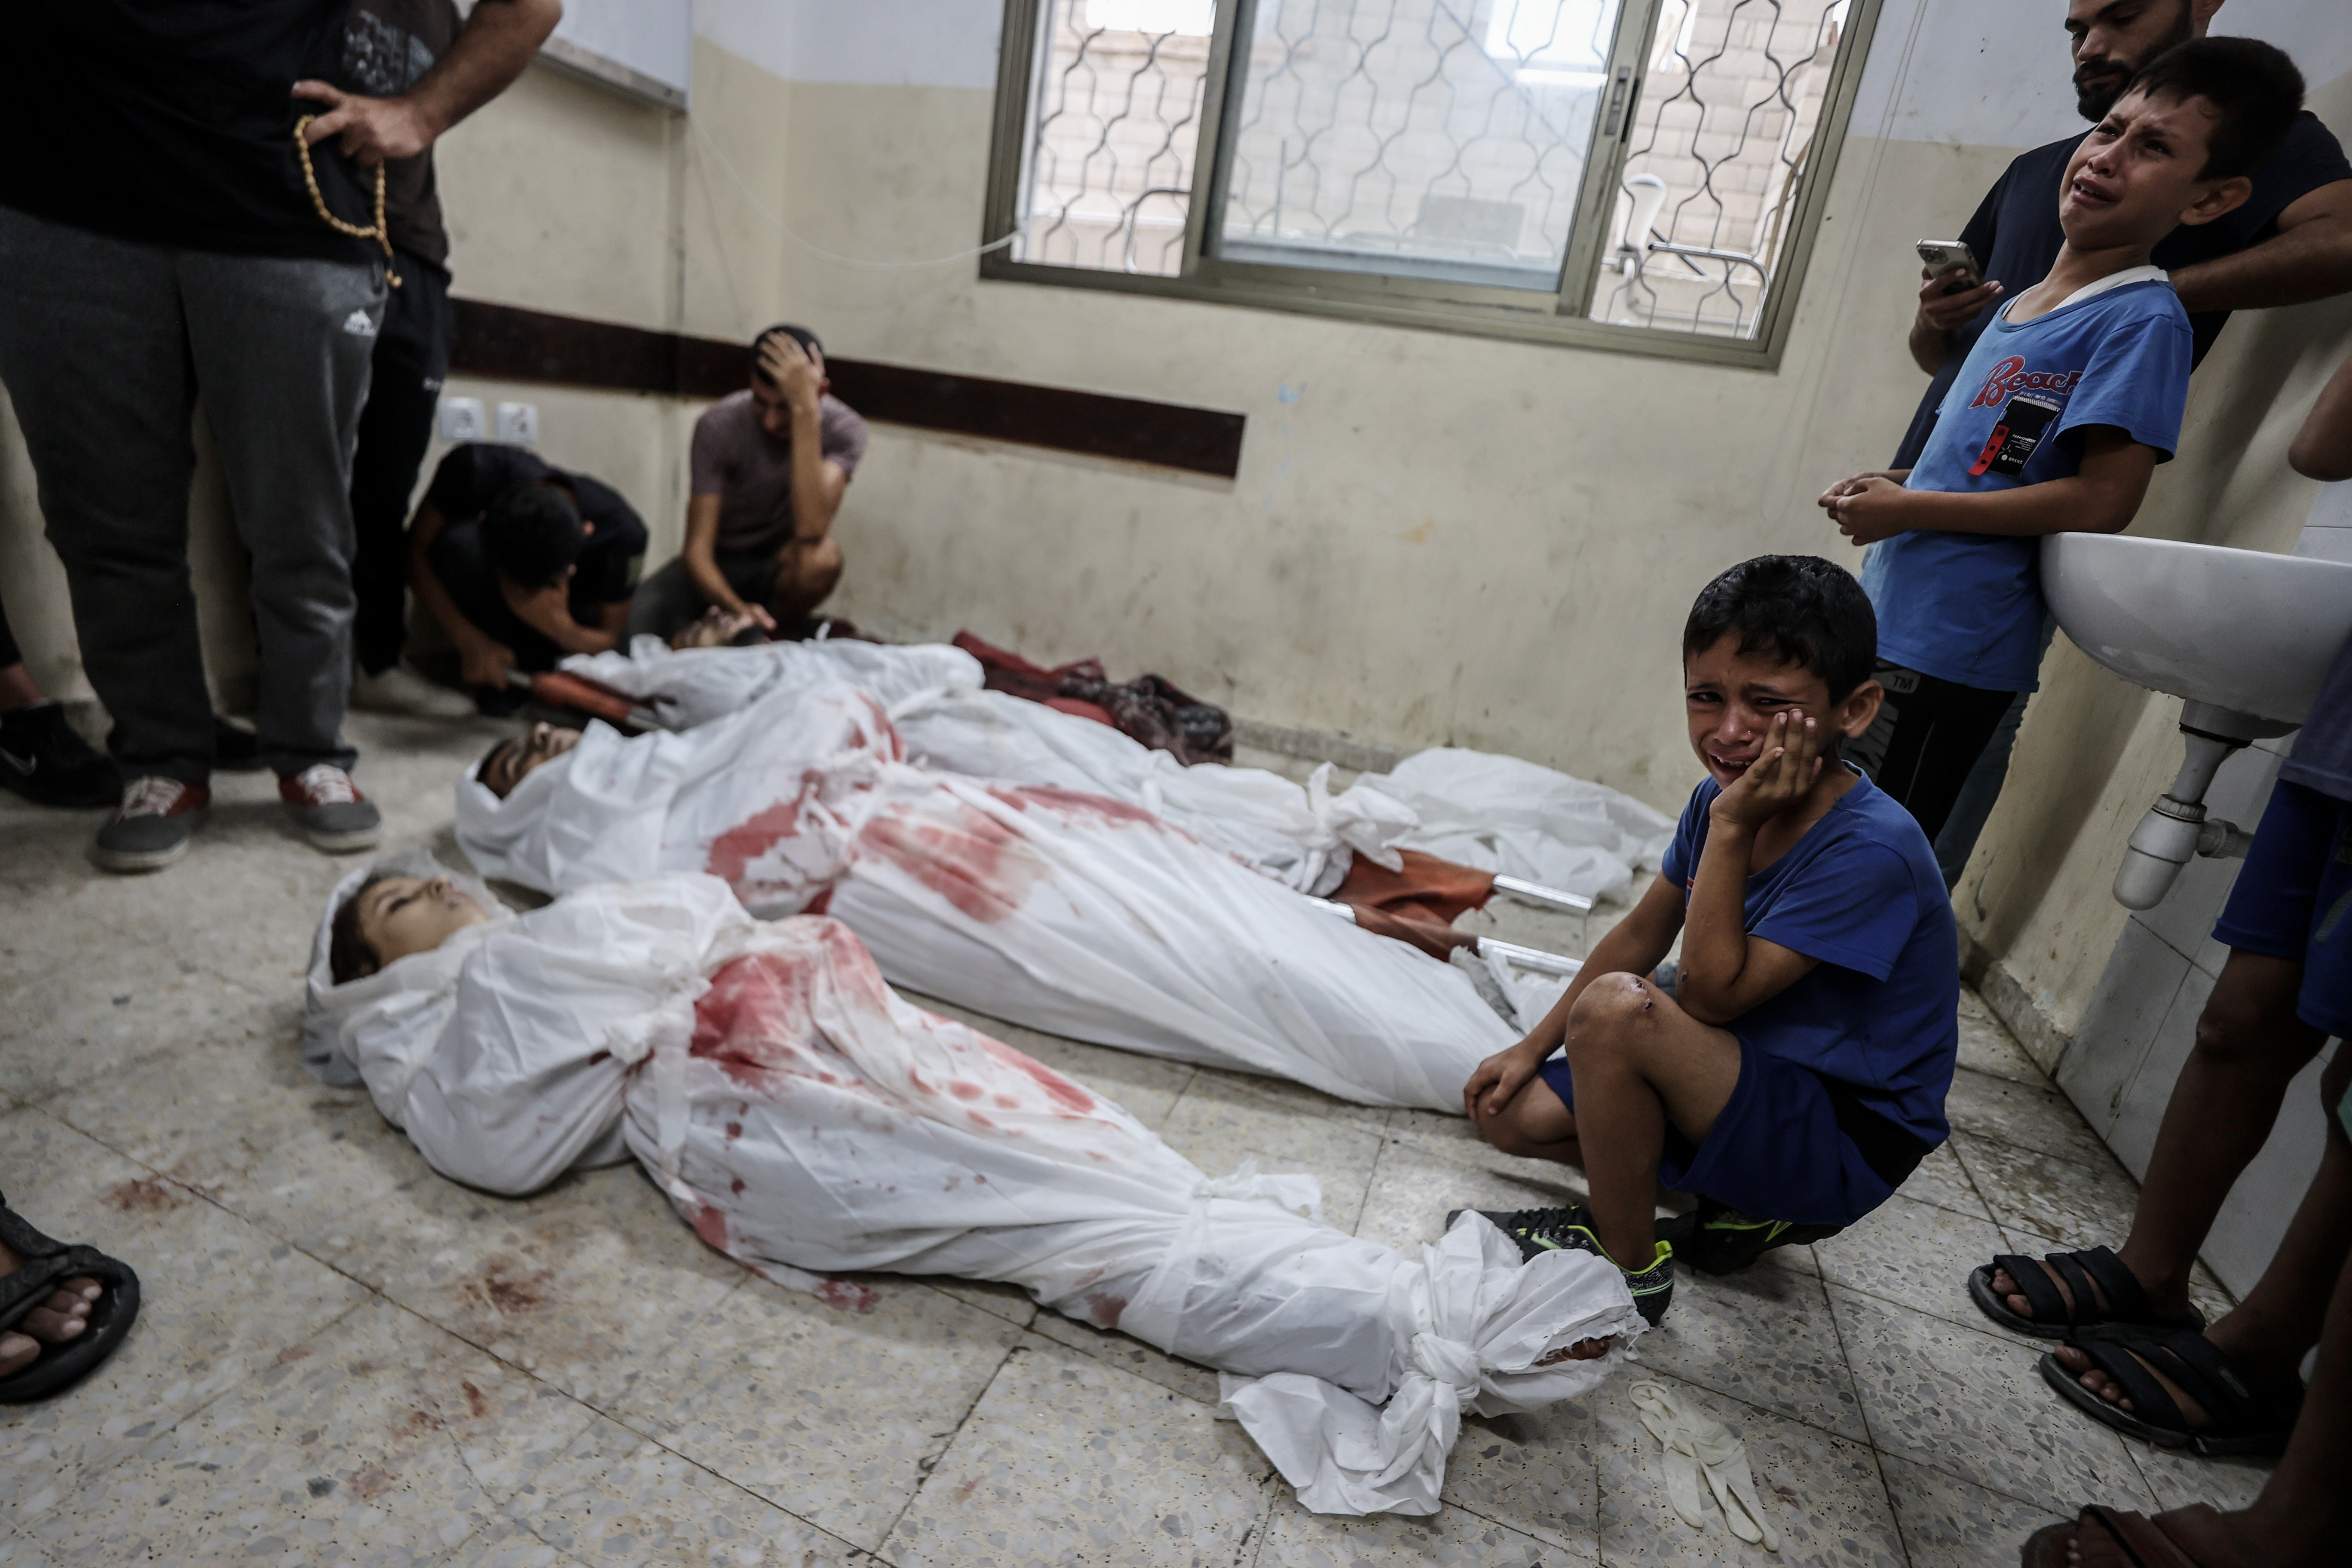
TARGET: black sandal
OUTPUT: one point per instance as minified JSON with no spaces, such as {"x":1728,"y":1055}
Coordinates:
{"x":2242,"y":1422}
{"x":2128,"y":1311}
{"x":45,"y":1265}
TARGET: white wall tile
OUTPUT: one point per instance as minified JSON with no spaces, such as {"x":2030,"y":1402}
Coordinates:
{"x":2135,"y":994}
{"x":2141,"y":1108}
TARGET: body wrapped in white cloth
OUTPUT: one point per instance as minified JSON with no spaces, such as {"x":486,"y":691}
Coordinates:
{"x":1073,"y":913}
{"x":801,"y":1116}
{"x":1301,"y":837}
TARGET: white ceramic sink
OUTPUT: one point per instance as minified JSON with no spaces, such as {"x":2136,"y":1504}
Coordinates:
{"x":2238,"y":628}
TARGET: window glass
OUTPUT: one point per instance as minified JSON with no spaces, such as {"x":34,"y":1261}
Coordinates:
{"x":1421,"y":138}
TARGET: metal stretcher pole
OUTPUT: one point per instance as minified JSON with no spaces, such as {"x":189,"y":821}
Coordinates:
{"x":1520,"y":888}
{"x":1533,"y":958}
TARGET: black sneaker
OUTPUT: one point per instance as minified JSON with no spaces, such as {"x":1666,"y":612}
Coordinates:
{"x":1539,"y":1231}
{"x":42,"y":759}
{"x":150,"y":829}
{"x":329,"y":809}
{"x":236,"y":749}
{"x":1715,"y":1239}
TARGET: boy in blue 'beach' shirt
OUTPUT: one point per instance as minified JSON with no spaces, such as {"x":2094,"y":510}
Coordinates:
{"x":1797,"y":1075}
{"x":2056,"y":419}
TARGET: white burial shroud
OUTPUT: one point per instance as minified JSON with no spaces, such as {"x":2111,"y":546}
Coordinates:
{"x":1072,"y":913}
{"x":1303,"y":838}
{"x":802,"y":1117}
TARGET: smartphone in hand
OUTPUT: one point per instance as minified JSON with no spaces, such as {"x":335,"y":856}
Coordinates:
{"x":1941,"y":257}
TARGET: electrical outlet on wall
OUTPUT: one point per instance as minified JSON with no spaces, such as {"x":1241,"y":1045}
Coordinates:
{"x":519,"y":424}
{"x":462,"y":420}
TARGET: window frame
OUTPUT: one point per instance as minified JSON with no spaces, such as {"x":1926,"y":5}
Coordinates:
{"x":1405,"y":301}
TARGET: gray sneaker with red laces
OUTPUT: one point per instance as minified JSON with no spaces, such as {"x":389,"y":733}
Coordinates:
{"x":150,"y":829}
{"x":329,"y":809}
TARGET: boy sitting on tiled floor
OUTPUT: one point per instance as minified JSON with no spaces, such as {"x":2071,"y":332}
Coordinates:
{"x":1797,"y":1075}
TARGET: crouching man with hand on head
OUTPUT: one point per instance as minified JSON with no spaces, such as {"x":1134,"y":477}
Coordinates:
{"x":1798,"y":1073}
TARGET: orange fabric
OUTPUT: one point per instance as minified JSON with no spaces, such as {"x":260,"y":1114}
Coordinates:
{"x":560,"y":689}
{"x":1419,"y":903}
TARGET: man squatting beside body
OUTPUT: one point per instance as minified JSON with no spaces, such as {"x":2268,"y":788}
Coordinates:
{"x":770,"y":465}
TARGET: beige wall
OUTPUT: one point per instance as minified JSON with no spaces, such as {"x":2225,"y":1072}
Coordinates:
{"x":1433,"y":538}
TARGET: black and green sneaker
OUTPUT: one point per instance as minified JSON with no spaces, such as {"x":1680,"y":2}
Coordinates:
{"x":1540,"y":1231}
{"x":1715,"y":1239}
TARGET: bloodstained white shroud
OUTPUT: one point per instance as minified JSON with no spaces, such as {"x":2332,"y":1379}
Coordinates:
{"x":802,"y":1116}
{"x":1072,"y":913}
{"x":1303,"y":838}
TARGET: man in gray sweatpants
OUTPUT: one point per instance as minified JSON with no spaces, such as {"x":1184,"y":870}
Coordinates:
{"x":162,"y":239}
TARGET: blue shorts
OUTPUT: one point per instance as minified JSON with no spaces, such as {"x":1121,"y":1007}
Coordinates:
{"x":1789,"y":1145}
{"x":2293,"y":900}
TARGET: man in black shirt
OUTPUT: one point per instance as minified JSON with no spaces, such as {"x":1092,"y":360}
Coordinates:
{"x":521,"y":563}
{"x":165,"y":230}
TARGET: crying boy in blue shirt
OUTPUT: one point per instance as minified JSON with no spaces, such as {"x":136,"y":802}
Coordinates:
{"x":2057,"y":418}
{"x":1797,"y":1073}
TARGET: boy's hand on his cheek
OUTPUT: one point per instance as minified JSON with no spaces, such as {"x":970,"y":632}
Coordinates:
{"x":1866,"y":507}
{"x":1778,"y":779}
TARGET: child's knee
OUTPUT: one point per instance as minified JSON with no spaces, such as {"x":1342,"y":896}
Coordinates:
{"x":1610,"y":1008}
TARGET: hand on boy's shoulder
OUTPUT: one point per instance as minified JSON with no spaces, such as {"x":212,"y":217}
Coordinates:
{"x":1866,"y":507}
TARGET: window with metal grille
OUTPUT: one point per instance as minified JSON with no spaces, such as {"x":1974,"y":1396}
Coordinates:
{"x":1644,"y":173}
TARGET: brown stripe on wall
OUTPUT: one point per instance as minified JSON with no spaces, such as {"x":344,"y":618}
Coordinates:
{"x":506,"y":343}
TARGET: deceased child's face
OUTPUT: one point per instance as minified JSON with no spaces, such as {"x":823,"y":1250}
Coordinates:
{"x":513,"y":762}
{"x":1731,"y":699}
{"x":401,"y":915}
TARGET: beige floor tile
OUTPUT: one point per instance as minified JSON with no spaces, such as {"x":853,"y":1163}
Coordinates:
{"x":503,"y":1543}
{"x":1220,"y":1122}
{"x":21,"y":1551}
{"x":1008,"y":1302}
{"x":833,"y":1412}
{"x":1411,"y":1192}
{"x":198,"y":1334}
{"x":1764,"y":1336}
{"x":1987,"y":1047}
{"x":2176,"y":1477}
{"x":616,"y":1499}
{"x":562,"y":1282}
{"x":1912,"y":1253}
{"x":2025,"y":1114}
{"x":1451,"y":1138}
{"x":1192,"y":1381}
{"x":1453,"y":1537}
{"x":1539,"y":1474}
{"x":2081,"y":1203}
{"x":119,"y":1002}
{"x":1067,"y":1460}
{"x":382,"y":1441}
{"x":1943,"y":1181}
{"x":584,"y":1285}
{"x":1297,"y":1097}
{"x":1971,"y":1404}
{"x":1146,"y":1088}
{"x":1951,"y":1523}
{"x":1830,"y":1504}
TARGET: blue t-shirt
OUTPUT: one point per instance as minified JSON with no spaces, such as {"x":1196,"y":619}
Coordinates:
{"x":2015,"y":234}
{"x":2322,"y":759}
{"x":1860,"y":891}
{"x":1968,"y":607}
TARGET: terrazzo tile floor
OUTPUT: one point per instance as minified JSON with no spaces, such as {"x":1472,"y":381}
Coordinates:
{"x":345,"y":1358}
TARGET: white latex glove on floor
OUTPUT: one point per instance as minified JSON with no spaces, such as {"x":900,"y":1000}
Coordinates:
{"x":1697,"y":1444}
